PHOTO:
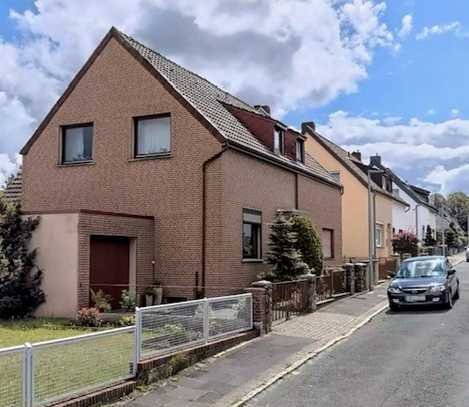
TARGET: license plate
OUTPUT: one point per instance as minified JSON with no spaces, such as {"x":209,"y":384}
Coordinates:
{"x":414,"y":298}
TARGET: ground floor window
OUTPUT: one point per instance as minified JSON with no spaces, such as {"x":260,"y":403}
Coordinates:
{"x":252,"y":224}
{"x":328,"y":243}
{"x":379,"y":235}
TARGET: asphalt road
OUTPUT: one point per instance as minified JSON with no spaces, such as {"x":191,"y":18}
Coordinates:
{"x":405,"y":359}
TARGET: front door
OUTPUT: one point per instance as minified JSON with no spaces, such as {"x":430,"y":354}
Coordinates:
{"x":109,"y":266}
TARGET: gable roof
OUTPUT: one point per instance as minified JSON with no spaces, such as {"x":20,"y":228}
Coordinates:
{"x":409,"y":189}
{"x":351,"y":163}
{"x":203,"y":98}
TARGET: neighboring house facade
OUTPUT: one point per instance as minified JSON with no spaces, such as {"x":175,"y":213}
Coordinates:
{"x":144,"y":170}
{"x":353,"y":176}
{"x":419,"y":214}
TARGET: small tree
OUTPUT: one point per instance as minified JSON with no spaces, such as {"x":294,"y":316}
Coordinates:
{"x":20,"y":292}
{"x":429,"y":239}
{"x":450,"y":238}
{"x":308,"y":243}
{"x":405,"y":242}
{"x":286,"y":260}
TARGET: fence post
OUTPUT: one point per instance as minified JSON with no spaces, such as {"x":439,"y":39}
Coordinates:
{"x":311,"y":292}
{"x":138,"y":338}
{"x":261,"y":305}
{"x":350,"y":272}
{"x":206,"y":321}
{"x":28,"y":376}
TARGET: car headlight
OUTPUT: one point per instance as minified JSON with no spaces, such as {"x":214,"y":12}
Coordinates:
{"x":394,"y":290}
{"x":436,"y":289}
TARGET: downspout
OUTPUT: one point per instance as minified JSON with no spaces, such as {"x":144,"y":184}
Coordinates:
{"x":204,"y":207}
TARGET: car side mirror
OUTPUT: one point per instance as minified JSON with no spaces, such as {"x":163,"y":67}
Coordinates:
{"x":451,"y":271}
{"x":392,"y":274}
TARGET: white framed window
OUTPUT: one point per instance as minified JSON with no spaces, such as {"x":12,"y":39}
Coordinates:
{"x":327,"y":238}
{"x":379,"y":235}
{"x":279,"y":141}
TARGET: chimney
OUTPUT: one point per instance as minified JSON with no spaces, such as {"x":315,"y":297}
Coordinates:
{"x":265,"y":108}
{"x":306,"y":125}
{"x":357,"y":155}
{"x":375,"y":160}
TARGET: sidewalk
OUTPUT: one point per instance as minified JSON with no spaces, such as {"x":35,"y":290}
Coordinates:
{"x":228,"y":377}
{"x":234,"y":376}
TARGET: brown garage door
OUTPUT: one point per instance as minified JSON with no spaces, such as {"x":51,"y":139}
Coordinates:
{"x":109,"y":266}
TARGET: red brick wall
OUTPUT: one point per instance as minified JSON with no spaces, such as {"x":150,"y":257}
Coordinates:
{"x":251,"y":183}
{"x":115,"y":89}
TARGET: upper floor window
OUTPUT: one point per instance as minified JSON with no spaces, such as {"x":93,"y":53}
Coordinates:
{"x":279,"y":141}
{"x":152,"y":135}
{"x":300,"y":150}
{"x":77,"y":143}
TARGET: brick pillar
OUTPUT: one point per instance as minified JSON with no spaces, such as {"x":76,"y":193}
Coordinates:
{"x":262,"y":305}
{"x":311,"y":293}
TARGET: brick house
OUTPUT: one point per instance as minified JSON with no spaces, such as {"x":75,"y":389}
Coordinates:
{"x":143,"y":170}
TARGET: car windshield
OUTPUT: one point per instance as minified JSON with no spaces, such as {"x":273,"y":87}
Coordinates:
{"x":422,"y":268}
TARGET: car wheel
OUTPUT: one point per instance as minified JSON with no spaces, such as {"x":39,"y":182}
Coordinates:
{"x":449,"y":301}
{"x":393,"y":307}
{"x":456,"y":294}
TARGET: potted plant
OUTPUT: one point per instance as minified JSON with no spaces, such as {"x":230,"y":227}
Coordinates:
{"x":157,"y":293}
{"x":128,"y":301}
{"x":149,"y":295}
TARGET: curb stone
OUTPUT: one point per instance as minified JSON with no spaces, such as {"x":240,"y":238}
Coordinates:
{"x":376,"y":310}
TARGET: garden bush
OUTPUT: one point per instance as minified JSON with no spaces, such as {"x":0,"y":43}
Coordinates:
{"x":90,"y":317}
{"x":20,"y":278}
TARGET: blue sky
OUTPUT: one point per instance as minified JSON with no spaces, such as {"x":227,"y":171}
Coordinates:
{"x":381,"y":76}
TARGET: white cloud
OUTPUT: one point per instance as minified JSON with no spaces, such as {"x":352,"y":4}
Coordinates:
{"x":406,"y":26}
{"x":431,"y":112}
{"x":454,"y":112}
{"x":413,"y":149}
{"x":437,"y":29}
{"x":287,"y":53}
{"x":448,"y":180}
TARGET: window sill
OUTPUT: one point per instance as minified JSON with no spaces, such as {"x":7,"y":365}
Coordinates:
{"x":76,"y":163}
{"x":252,"y":261}
{"x":151,"y":157}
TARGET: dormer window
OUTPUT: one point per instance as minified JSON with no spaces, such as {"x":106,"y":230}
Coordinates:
{"x":300,"y":150}
{"x":279,"y":141}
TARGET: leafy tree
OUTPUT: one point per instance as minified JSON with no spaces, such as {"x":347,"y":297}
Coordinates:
{"x":20,"y":292}
{"x":405,"y":242}
{"x":287,"y":262}
{"x":308,"y":242}
{"x":429,"y":239}
{"x":458,"y":205}
{"x":438,"y":200}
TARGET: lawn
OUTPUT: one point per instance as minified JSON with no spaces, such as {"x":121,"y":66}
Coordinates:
{"x":14,"y":333}
{"x":64,"y":369}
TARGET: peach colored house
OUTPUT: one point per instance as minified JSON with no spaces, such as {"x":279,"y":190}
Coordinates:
{"x":353,"y":176}
{"x":144,"y":170}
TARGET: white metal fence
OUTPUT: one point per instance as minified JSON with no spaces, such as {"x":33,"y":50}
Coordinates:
{"x":41,"y":373}
{"x":164,"y":328}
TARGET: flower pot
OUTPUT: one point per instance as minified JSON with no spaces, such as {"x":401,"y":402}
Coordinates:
{"x":158,"y":295}
{"x":148,"y":300}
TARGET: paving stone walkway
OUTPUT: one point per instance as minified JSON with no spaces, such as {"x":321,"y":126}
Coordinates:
{"x":225,"y":379}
